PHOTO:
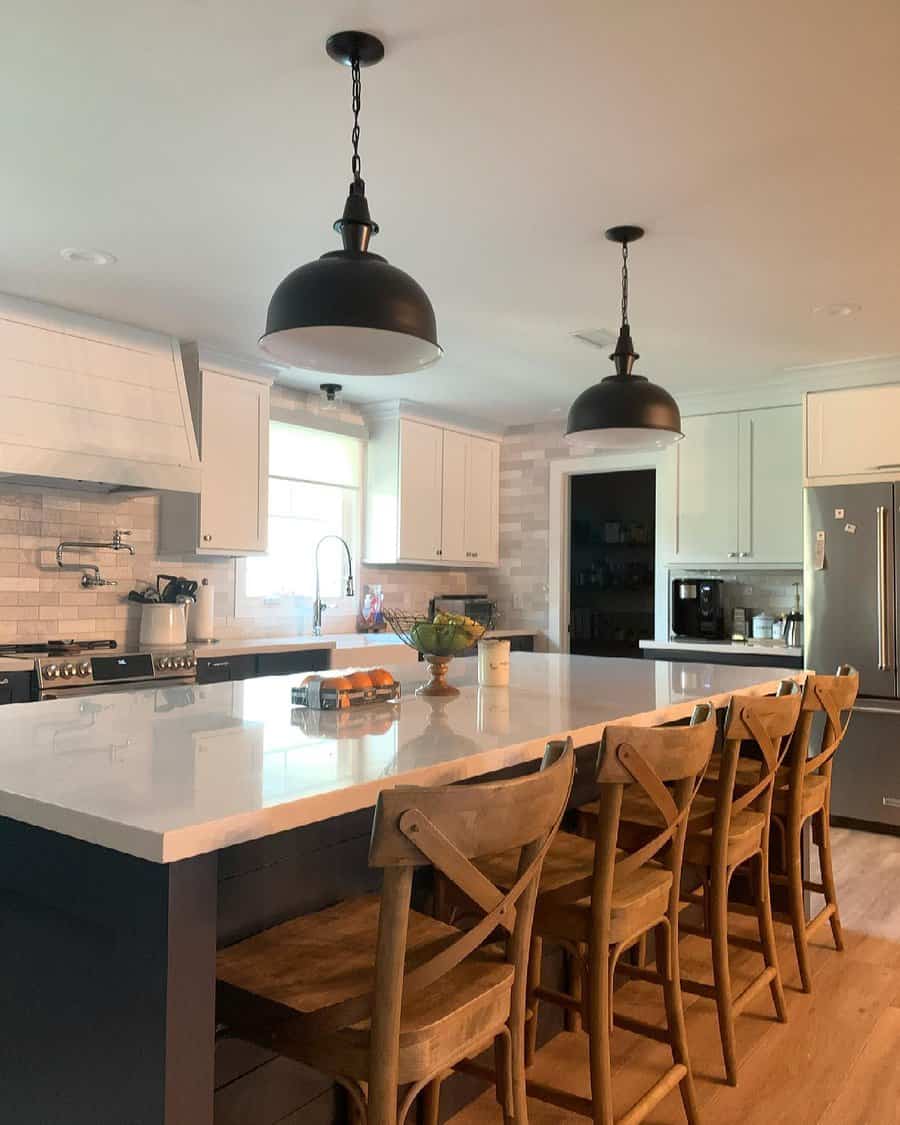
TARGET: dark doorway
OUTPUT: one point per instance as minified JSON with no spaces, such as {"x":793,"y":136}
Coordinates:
{"x":611,"y":557}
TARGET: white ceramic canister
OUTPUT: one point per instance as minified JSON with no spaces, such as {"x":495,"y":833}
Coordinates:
{"x":163,"y":625}
{"x":493,"y":663}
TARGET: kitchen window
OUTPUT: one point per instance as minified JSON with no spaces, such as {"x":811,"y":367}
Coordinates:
{"x":315,"y":480}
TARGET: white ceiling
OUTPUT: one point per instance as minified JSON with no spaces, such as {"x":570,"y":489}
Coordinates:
{"x":206,"y":144}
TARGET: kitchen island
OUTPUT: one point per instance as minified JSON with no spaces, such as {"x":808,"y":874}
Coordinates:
{"x":141,"y":829}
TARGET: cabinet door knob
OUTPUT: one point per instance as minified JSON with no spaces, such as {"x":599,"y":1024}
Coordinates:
{"x":732,"y":554}
{"x":745,"y":554}
{"x":474,"y":554}
{"x":207,"y":539}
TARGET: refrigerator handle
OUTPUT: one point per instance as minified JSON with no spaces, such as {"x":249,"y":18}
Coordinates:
{"x":885,"y":654}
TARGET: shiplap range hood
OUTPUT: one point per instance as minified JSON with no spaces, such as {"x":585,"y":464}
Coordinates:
{"x":91,"y":405}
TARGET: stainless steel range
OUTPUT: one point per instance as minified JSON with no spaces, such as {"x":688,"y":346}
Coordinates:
{"x":88,"y":667}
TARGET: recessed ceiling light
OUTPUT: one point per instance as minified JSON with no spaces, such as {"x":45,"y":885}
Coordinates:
{"x":87,"y":257}
{"x":839,"y":308}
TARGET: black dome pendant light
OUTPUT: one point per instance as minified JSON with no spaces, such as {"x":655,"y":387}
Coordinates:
{"x":624,"y":411}
{"x":351,"y":312}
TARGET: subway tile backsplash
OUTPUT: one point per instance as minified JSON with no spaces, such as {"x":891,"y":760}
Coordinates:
{"x":38,"y":601}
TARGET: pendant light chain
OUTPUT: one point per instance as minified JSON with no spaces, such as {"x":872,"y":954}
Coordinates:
{"x":624,"y":283}
{"x":355,"y":163}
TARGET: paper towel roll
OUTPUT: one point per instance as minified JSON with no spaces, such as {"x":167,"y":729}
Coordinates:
{"x":203,"y":613}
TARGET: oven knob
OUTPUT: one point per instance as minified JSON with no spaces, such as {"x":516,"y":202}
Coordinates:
{"x":68,"y":670}
{"x":164,"y":664}
{"x":51,"y":671}
{"x":179,"y":662}
{"x":189,"y":662}
{"x":84,"y":668}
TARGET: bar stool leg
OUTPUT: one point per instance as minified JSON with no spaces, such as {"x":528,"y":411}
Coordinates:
{"x":430,"y":1103}
{"x":718,"y":917}
{"x":599,"y":1041}
{"x":667,"y":965}
{"x":502,"y":1069}
{"x":767,"y":934}
{"x":535,"y":957}
{"x":797,"y":911}
{"x":828,"y":882}
{"x":572,"y":1019}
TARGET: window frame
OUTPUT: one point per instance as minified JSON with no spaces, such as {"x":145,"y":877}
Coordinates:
{"x":291,"y":607}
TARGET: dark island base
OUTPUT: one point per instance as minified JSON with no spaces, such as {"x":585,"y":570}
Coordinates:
{"x":108,"y":1004}
{"x":109,"y":976}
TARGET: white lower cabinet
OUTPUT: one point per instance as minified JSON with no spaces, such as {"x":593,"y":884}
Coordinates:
{"x":432,"y":495}
{"x":230,"y":516}
{"x":739,"y":490}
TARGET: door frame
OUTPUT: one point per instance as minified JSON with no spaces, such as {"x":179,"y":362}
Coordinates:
{"x":560,"y":529}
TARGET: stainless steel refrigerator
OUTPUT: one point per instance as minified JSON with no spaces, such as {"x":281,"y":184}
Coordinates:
{"x":851,"y":588}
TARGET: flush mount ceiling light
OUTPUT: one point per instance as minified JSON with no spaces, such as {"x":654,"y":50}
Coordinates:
{"x":624,"y":411}
{"x":330,"y":391}
{"x":350,"y":312}
{"x":838,"y":309}
{"x":87,"y":257}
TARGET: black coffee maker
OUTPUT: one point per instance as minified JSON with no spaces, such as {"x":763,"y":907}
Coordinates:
{"x":697,"y":609}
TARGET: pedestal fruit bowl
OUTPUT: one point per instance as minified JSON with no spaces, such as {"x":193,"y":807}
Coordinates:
{"x":438,"y":639}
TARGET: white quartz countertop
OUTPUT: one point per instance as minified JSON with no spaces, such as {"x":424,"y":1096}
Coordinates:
{"x":736,"y":648}
{"x":237,"y":646}
{"x":168,"y":773}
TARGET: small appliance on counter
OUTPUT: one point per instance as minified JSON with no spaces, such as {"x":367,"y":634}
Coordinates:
{"x":697,"y":609}
{"x":741,"y":617}
{"x":793,"y":622}
{"x":477,"y":606}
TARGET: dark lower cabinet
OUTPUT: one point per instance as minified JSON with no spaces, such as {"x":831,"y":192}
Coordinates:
{"x":221,"y":669}
{"x":247,"y":666}
{"x":743,"y":660}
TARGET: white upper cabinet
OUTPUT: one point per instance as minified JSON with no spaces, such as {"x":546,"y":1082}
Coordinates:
{"x":770,"y":512}
{"x":482,"y":542}
{"x":432,"y":495}
{"x":739,"y":494}
{"x":706,"y":518}
{"x":230,"y":516}
{"x":853,"y":436}
{"x":419,"y":524}
{"x":455,"y":497}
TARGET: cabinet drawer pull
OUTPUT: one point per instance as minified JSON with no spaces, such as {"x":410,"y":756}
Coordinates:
{"x":875,"y":468}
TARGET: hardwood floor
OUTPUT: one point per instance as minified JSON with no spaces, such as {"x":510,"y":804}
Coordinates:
{"x":833,"y":1063}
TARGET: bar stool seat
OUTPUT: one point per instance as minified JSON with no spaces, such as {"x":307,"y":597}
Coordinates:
{"x":635,"y":897}
{"x":640,"y":818}
{"x":745,"y":833}
{"x":814,"y":786}
{"x":320,"y":959}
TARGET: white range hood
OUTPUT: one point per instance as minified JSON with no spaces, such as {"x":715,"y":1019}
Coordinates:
{"x":93,"y":405}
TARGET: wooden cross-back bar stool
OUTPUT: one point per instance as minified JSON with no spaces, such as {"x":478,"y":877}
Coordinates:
{"x":383,"y":998}
{"x":803,"y":791}
{"x":730,"y":828}
{"x":597,"y":901}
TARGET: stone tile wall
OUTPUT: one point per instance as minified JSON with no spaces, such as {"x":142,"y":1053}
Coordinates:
{"x":38,"y":601}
